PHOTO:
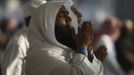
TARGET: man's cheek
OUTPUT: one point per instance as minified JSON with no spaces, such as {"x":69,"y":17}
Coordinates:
{"x":63,"y":22}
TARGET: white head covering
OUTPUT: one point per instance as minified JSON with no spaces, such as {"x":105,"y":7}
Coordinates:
{"x":42,"y":27}
{"x":37,"y":3}
{"x":29,"y":8}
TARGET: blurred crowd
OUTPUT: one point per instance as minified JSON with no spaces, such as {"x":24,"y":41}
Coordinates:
{"x":15,"y":17}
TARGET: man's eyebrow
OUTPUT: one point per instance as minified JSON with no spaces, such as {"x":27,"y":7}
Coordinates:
{"x":63,"y":11}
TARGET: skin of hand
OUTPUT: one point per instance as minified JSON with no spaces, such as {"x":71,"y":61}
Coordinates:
{"x":84,"y":38}
{"x":101,"y":52}
{"x":129,"y":56}
{"x":81,"y":36}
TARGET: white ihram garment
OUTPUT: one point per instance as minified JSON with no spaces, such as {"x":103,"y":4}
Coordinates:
{"x":13,"y":59}
{"x":46,"y":56}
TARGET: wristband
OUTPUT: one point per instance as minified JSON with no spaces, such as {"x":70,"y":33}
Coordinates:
{"x":82,"y":51}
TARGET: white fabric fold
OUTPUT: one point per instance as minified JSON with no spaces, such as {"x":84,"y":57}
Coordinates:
{"x":13,"y":60}
{"x":46,"y":56}
{"x":30,"y":7}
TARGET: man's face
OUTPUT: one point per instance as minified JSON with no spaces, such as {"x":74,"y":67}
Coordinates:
{"x":12,"y":24}
{"x":77,"y":14}
{"x":62,"y":18}
{"x":63,"y":28}
{"x":116,"y":29}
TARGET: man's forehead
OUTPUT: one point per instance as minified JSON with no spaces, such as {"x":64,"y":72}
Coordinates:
{"x":62,"y":9}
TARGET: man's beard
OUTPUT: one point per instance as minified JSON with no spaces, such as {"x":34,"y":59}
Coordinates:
{"x":64,"y":36}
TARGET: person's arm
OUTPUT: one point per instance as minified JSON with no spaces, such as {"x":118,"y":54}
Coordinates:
{"x":110,"y":61}
{"x":101,"y":52}
{"x":14,"y":56}
{"x":90,"y":67}
{"x":113,"y":64}
{"x":53,"y":63}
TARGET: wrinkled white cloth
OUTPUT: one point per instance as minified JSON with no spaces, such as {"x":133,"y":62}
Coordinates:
{"x":46,"y":56}
{"x":30,"y":7}
{"x":37,"y":3}
{"x":13,"y":59}
{"x":111,"y":65}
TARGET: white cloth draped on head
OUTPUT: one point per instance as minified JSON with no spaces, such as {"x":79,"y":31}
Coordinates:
{"x":37,"y":3}
{"x":42,"y":26}
{"x":29,"y":8}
